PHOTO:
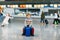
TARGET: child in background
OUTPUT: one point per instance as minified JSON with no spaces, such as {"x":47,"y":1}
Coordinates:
{"x":6,"y":19}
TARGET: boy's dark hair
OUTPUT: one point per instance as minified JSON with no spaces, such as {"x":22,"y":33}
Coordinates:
{"x":28,"y":14}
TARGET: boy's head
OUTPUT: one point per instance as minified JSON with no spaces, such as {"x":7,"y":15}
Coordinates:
{"x":28,"y":22}
{"x":56,"y":12}
{"x":28,"y":15}
{"x":7,"y":14}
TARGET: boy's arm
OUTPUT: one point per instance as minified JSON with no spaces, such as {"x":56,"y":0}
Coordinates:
{"x":11,"y":17}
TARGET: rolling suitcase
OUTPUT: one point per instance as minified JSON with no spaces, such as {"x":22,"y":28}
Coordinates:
{"x":46,"y":21}
{"x":32,"y":32}
{"x":24,"y":31}
{"x":28,"y":31}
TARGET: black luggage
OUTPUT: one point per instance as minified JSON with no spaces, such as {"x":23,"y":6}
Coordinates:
{"x":46,"y":21}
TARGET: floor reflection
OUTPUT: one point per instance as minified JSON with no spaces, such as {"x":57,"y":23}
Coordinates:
{"x":42,"y":32}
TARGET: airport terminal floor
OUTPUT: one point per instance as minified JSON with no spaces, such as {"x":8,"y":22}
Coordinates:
{"x":42,"y":32}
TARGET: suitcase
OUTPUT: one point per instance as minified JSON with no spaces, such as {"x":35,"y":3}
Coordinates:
{"x":28,"y":31}
{"x":46,"y":21}
{"x":24,"y":31}
{"x":32,"y":32}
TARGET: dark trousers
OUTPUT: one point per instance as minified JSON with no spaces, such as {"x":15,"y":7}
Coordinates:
{"x":56,"y":20}
{"x":42,"y":20}
{"x":9,"y":20}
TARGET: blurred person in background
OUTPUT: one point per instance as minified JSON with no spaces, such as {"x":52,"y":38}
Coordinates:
{"x":6,"y":20}
{"x":1,"y":15}
{"x":42,"y":18}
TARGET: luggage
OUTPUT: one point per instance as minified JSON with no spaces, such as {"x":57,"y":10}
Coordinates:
{"x":46,"y":21}
{"x":28,"y":31}
{"x":24,"y":31}
{"x":32,"y":32}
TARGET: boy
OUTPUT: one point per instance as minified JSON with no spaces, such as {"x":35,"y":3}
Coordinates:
{"x":6,"y":19}
{"x":28,"y":24}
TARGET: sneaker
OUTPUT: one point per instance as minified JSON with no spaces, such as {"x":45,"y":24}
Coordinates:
{"x":2,"y":25}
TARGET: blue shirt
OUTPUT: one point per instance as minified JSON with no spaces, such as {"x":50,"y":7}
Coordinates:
{"x":1,"y":14}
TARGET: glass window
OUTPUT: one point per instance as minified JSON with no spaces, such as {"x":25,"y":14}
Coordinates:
{"x":55,"y":5}
{"x":2,"y":6}
{"x":35,"y":6}
{"x":34,"y":12}
{"x":39,"y":5}
{"x":29,"y":6}
{"x":58,"y":4}
{"x":23,"y":6}
{"x":8,"y":5}
{"x":2,"y":0}
{"x":45,"y":5}
{"x":13,"y":6}
{"x":52,"y":11}
{"x":42,"y":5}
{"x":51,"y":4}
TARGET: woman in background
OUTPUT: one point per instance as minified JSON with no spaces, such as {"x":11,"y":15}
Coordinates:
{"x":42,"y":18}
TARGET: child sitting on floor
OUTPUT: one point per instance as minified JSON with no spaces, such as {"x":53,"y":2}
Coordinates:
{"x":28,"y":24}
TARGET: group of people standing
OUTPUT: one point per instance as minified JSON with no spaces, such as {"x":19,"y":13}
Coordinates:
{"x":44,"y":20}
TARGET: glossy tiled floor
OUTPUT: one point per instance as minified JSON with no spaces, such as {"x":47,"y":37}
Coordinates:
{"x":42,"y":32}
